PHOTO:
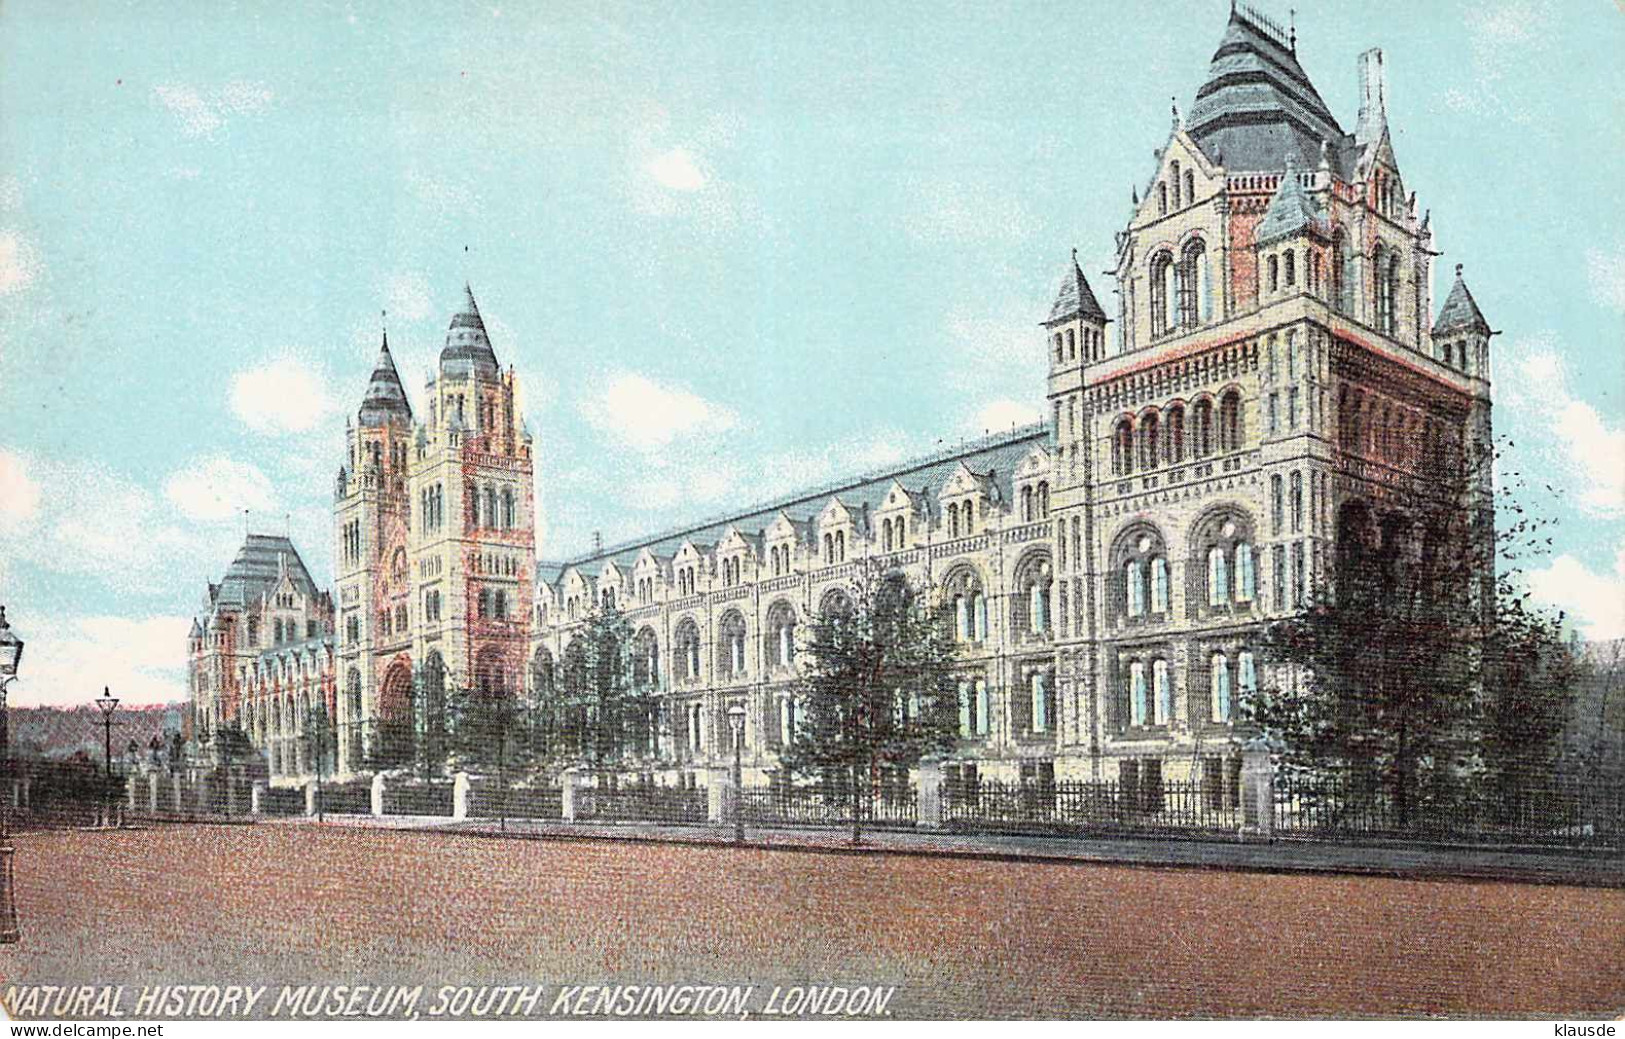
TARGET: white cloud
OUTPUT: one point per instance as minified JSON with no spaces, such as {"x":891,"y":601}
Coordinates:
{"x":1607,"y":276}
{"x":1596,"y":602}
{"x":1001,"y":415}
{"x":283,"y":395}
{"x":201,"y":114}
{"x":19,"y":263}
{"x":678,"y":170}
{"x":219,"y":488}
{"x":70,"y":659}
{"x":1504,"y":39}
{"x":996,"y":351}
{"x":1575,"y":438}
{"x":19,"y":492}
{"x":649,"y":415}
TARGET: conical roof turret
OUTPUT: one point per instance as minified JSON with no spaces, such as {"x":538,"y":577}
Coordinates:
{"x":385,"y":400}
{"x":1460,"y":311}
{"x":468,"y":348}
{"x":1075,"y":298}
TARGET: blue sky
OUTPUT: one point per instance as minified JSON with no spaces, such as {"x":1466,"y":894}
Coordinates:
{"x":730,"y":248}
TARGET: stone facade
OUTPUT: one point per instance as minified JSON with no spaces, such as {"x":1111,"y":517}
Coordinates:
{"x":1267,"y":389}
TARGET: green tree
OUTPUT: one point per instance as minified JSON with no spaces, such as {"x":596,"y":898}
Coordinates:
{"x":489,"y":732}
{"x":321,"y":740}
{"x":231,"y":748}
{"x":1422,"y":677}
{"x":598,"y":715}
{"x":876,"y":688}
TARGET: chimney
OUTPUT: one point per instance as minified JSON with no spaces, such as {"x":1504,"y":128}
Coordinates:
{"x":1373,"y":98}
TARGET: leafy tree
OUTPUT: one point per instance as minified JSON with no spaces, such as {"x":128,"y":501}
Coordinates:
{"x":414,"y":737}
{"x":489,"y":733}
{"x":598,"y":715}
{"x":231,"y":746}
{"x":321,"y":740}
{"x":1423,"y":677}
{"x":876,"y":689}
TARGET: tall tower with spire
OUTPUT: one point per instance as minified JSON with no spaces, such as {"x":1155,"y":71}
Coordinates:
{"x":435,"y":546}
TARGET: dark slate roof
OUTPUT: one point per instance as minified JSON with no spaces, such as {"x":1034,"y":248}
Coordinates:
{"x":257,"y":568}
{"x":385,"y":400}
{"x":1258,"y":105}
{"x":1075,"y":297}
{"x":1290,"y":210}
{"x":993,"y":458}
{"x":1460,"y":310}
{"x":468,"y":348}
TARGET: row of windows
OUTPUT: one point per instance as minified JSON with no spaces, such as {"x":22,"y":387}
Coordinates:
{"x":1161,"y":437}
{"x":1179,"y":198}
{"x":1183,"y":284}
{"x":1149,"y":690}
{"x":432,"y":507}
{"x":350,"y":541}
{"x":1397,"y":435}
{"x":1094,"y":345}
{"x":490,"y":508}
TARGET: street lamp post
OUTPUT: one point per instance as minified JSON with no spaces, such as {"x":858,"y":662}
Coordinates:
{"x":11,"y":653}
{"x":736,"y":722}
{"x":108,"y":703}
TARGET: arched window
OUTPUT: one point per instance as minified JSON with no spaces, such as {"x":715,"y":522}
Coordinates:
{"x":1058,"y":354}
{"x":1139,"y":556}
{"x":1190,"y":188}
{"x":1159,"y":585}
{"x":1123,"y":447}
{"x":1230,"y":421}
{"x":1218,"y":577}
{"x":829,"y":549}
{"x":1039,"y":706}
{"x":1173,"y":178}
{"x":1027,"y":504}
{"x":1290,"y":268}
{"x":1273,"y":265}
{"x":781,"y":629}
{"x":1137,"y":693}
{"x":1193,"y":302}
{"x":731,"y":651}
{"x":1134,"y":577}
{"x":953,"y":520}
{"x":1340,"y":271}
{"x":1246,"y":579}
{"x":1219,"y":688}
{"x":1033,"y":586}
{"x":1246,"y":675}
{"x":1175,"y":434}
{"x":1071,"y":345}
{"x":1276,"y":504}
{"x":1203,"y":445}
{"x":1043,"y":499}
{"x":1148,"y":440}
{"x":686,"y":651}
{"x":1162,"y":200}
{"x":1162,"y":693}
{"x":1162,"y":291}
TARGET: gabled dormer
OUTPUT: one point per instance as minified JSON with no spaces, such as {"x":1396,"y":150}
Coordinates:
{"x":898,"y":516}
{"x":838,"y":531}
{"x":690,"y":567}
{"x":1184,"y":177}
{"x":648,"y":577}
{"x":1032,"y":484}
{"x":737,"y":556}
{"x":966,"y":499}
{"x":577,"y":593}
{"x":783,"y":537}
{"x":611,"y":585}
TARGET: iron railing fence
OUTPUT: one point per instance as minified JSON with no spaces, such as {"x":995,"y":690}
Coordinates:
{"x":352,"y":798}
{"x":488,"y":801}
{"x":1570,"y":813}
{"x":895,"y":807}
{"x":417,"y":799}
{"x":641,"y":803}
{"x":1171,"y":806}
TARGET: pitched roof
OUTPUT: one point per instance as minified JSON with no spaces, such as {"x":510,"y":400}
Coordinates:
{"x":258,"y":566}
{"x":1290,"y":210}
{"x":468,"y":348}
{"x":1075,"y":298}
{"x":993,"y":459}
{"x":1460,"y":310}
{"x":1258,"y":104}
{"x":385,"y":400}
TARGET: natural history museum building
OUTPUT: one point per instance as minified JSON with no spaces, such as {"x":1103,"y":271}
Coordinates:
{"x":1271,"y":377}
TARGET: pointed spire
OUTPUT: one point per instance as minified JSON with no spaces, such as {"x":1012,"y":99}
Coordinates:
{"x":1290,"y":210}
{"x":385,"y":401}
{"x":1075,"y":298}
{"x":468,"y":347}
{"x":1460,"y":311}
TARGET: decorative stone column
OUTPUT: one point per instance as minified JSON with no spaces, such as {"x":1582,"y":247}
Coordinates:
{"x":719,"y":797}
{"x":459,"y":796}
{"x":256,"y":799}
{"x":129,"y":785}
{"x":1257,"y":790}
{"x":310,"y":797}
{"x":175,"y":791}
{"x":569,"y":783}
{"x":378,"y":796}
{"x":930,"y":805}
{"x":152,"y":793}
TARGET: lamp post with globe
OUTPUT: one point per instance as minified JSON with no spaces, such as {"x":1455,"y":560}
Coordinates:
{"x":736,"y":722}
{"x":11,"y":654}
{"x":108,"y":704}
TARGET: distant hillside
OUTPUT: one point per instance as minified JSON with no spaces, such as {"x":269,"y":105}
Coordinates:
{"x":62,"y":732}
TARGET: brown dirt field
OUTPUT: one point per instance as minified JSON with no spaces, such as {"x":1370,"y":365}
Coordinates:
{"x":278,"y":904}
